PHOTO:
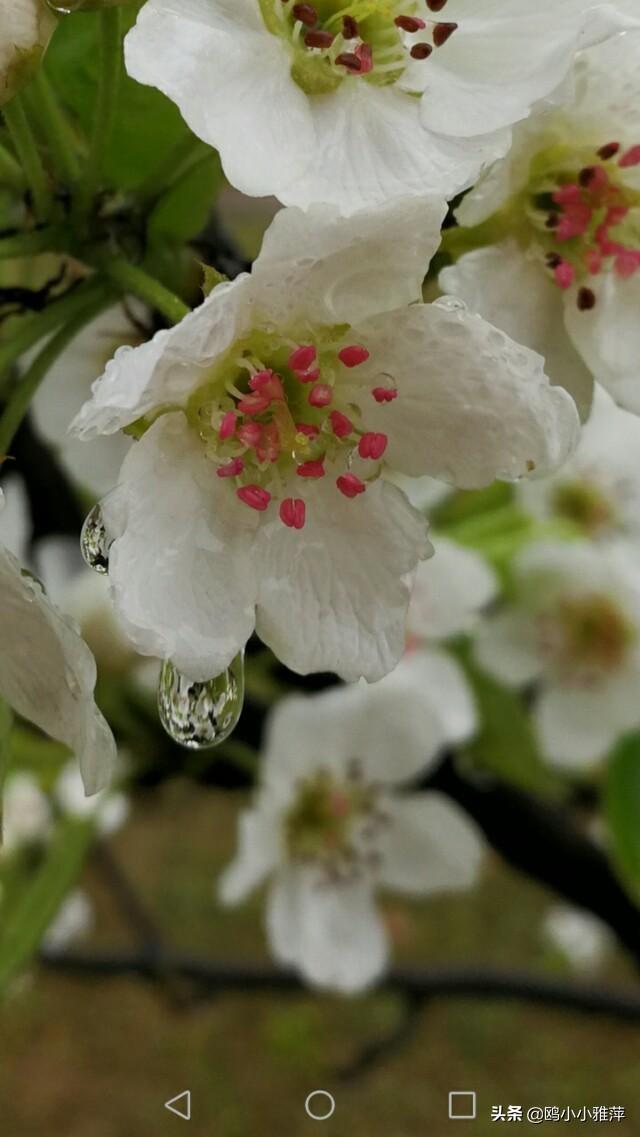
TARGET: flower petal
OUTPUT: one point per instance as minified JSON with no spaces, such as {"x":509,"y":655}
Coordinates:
{"x":505,"y":645}
{"x":449,"y":592}
{"x":431,"y":846}
{"x":15,"y":517}
{"x":578,"y":726}
{"x":257,"y":856}
{"x":608,"y":336}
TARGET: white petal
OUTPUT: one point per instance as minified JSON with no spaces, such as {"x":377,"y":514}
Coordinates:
{"x":26,"y":813}
{"x":449,"y":592}
{"x":516,"y":294}
{"x":321,"y":267}
{"x":608,"y":336}
{"x":181,"y":564}
{"x":431,"y":846}
{"x":331,"y":935}
{"x":164,"y":371}
{"x":580,"y":936}
{"x":257,"y":856}
{"x":472,"y":405}
{"x":578,"y":726}
{"x":73,"y":920}
{"x":505,"y":645}
{"x":305,"y":734}
{"x":15,"y":517}
{"x":333,"y":597}
{"x":48,"y":674}
{"x":25,"y":28}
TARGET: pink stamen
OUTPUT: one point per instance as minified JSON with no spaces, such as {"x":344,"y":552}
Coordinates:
{"x":308,"y":429}
{"x":302,"y":358}
{"x":365,"y":55}
{"x":340,"y":424}
{"x":255,"y":497}
{"x":593,"y":261}
{"x":268,"y":384}
{"x":630,"y":157}
{"x":567,"y":194}
{"x":350,"y":485}
{"x":231,"y":469}
{"x":574,"y":222}
{"x":320,"y":395}
{"x":268,"y":448}
{"x":308,"y":376}
{"x":627,"y":263}
{"x":409,"y":23}
{"x":293,"y":512}
{"x":353,"y":355}
{"x":564,"y":274}
{"x":249,"y":433}
{"x":312,"y":469}
{"x":227,"y":426}
{"x":384,"y":394}
{"x":254,"y":404}
{"x":372,"y":445}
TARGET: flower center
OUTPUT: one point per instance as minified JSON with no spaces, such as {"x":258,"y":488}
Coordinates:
{"x":276,"y":411}
{"x":586,"y":217}
{"x":372,"y":39}
{"x":585,"y":637}
{"x":334,"y":823}
{"x":584,"y":503}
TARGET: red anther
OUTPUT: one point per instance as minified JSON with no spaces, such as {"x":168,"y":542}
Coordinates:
{"x":436,"y":5}
{"x":311,"y":469}
{"x":564,"y":274}
{"x":574,"y":222}
{"x":254,"y":404}
{"x":350,"y":485}
{"x":384,"y":394}
{"x":586,"y":299}
{"x":308,"y":429}
{"x":293,"y":512}
{"x":308,"y":376}
{"x":567,"y":194}
{"x":228,"y":425}
{"x":302,"y":358}
{"x":365,"y":55}
{"x":594,"y":178}
{"x":443,"y":32}
{"x":372,"y":445}
{"x":350,"y":29}
{"x":255,"y":497}
{"x":609,"y":151}
{"x":320,"y":395}
{"x":231,"y":469}
{"x":268,"y":384}
{"x":349,"y":60}
{"x":317,"y":37}
{"x":340,"y":424}
{"x":353,"y":355}
{"x":421,"y":51}
{"x":627,"y":263}
{"x":409,"y":23}
{"x":630,"y":157}
{"x":268,"y":448}
{"x":306,"y":13}
{"x":249,"y":433}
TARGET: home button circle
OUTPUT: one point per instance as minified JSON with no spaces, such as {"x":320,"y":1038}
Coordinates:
{"x":320,"y":1105}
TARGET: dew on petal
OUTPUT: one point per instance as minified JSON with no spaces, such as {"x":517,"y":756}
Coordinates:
{"x":94,"y":542}
{"x":200,"y":715}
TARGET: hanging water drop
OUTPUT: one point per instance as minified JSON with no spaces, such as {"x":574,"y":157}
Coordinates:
{"x":198,"y":715}
{"x":94,"y":542}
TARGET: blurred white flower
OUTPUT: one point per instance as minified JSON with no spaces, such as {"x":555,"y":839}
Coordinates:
{"x":73,"y":921}
{"x":253,"y":496}
{"x":565,"y":277}
{"x":48,"y":674}
{"x":573,"y":627}
{"x":598,"y":489}
{"x":25,"y":28}
{"x":582,"y":938}
{"x":26,"y":814}
{"x":356,"y":103}
{"x":109,"y":809}
{"x":331,"y":824}
{"x":449,"y":593}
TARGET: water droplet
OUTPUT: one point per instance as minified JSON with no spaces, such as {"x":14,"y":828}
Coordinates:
{"x":94,"y":542}
{"x":198,"y":715}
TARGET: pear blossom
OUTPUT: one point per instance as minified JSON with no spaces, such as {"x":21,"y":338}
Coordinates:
{"x":353,"y":103}
{"x":73,"y":921}
{"x":331,"y":823}
{"x":253,"y":497}
{"x":48,"y":674}
{"x":109,"y":809}
{"x":598,"y":489}
{"x":581,"y":937}
{"x":572,"y":628}
{"x":449,"y":593}
{"x":564,"y":277}
{"x":26,"y":813}
{"x":25,"y":29}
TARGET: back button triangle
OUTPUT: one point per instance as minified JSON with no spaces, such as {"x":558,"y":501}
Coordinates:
{"x":180,"y":1105}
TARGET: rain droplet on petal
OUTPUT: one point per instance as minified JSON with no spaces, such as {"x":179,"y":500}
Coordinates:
{"x":94,"y":542}
{"x":198,"y":715}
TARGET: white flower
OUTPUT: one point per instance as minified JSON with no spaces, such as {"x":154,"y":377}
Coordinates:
{"x":109,"y":809}
{"x":573,"y":627}
{"x":73,"y":921}
{"x":598,"y":489}
{"x":330,"y":823}
{"x":25,"y":28}
{"x":565,"y":277}
{"x":26,"y":815}
{"x":253,"y":498}
{"x":66,"y":388}
{"x":348,"y":103}
{"x":580,"y":936}
{"x":48,"y":674}
{"x":449,"y":592}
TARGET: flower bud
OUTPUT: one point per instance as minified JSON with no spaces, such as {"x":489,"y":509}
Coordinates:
{"x":25,"y":29}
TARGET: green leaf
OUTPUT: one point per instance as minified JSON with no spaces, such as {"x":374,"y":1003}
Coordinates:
{"x":184,"y":210}
{"x":211,"y":278}
{"x":37,"y":903}
{"x":622,"y":808}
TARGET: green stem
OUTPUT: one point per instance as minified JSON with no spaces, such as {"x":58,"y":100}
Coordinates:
{"x":56,"y":129}
{"x":28,"y":154}
{"x":11,"y":176}
{"x":106,"y":108}
{"x":51,"y":238}
{"x":136,"y":281}
{"x":20,"y":400}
